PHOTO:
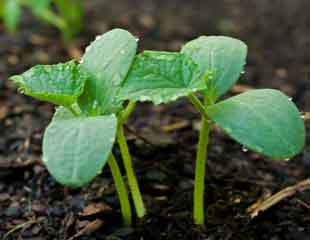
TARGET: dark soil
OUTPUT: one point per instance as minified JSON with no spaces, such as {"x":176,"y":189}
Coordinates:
{"x":277,"y":33}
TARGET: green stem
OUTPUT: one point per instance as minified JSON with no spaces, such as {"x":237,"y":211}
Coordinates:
{"x":73,"y":111}
{"x":201,"y":156}
{"x":121,"y":190}
{"x":198,"y":105}
{"x":132,"y":180}
{"x":125,"y":114}
{"x":200,"y":170}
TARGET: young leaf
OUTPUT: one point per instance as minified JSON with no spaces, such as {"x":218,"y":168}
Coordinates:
{"x":263,"y":120}
{"x":60,"y":84}
{"x":11,"y":14}
{"x":224,"y":57}
{"x":75,"y":149}
{"x":108,"y":59}
{"x":72,"y":12}
{"x":161,"y":77}
{"x":37,"y":6}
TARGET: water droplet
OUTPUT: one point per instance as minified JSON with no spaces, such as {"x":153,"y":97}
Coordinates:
{"x":143,"y":98}
{"x":228,"y":130}
{"x":286,"y":159}
{"x":243,"y":72}
{"x":95,"y":103}
{"x":98,"y":37}
{"x":137,"y":39}
{"x":87,"y":48}
{"x":302,"y":116}
{"x":244,"y":149}
{"x":291,"y":99}
{"x":45,"y":159}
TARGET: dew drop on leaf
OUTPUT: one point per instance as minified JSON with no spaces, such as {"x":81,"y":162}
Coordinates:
{"x":244,"y":149}
{"x":291,"y":99}
{"x":302,"y":116}
{"x":95,"y":103}
{"x":228,"y":130}
{"x":87,"y":48}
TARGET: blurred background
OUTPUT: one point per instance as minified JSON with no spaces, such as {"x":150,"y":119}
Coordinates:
{"x":277,"y":33}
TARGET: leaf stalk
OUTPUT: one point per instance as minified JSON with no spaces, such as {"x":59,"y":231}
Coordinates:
{"x":132,"y":180}
{"x":121,"y":190}
{"x":200,"y":164}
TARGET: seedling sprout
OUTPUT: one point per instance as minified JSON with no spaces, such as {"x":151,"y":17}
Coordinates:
{"x":79,"y":140}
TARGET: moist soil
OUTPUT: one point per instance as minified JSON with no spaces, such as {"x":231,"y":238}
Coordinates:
{"x":162,"y":138}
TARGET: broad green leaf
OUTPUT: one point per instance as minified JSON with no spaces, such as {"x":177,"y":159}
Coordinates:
{"x":224,"y":57}
{"x":108,"y":60}
{"x":265,"y":121}
{"x":11,"y":14}
{"x":161,"y":77}
{"x":75,"y":149}
{"x":60,"y":84}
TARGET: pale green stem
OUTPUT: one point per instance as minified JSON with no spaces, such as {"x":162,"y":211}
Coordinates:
{"x":125,"y":114}
{"x":121,"y":190}
{"x":200,"y":170}
{"x":73,"y":111}
{"x":132,"y":180}
{"x":201,"y":157}
{"x":198,"y":105}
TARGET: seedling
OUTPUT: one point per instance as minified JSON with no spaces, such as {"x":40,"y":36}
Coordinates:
{"x":68,"y":19}
{"x":78,"y":142}
{"x":265,"y":120}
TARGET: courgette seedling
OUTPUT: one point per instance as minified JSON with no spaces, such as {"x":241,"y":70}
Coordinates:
{"x":68,"y":18}
{"x":78,"y":142}
{"x":264,"y":120}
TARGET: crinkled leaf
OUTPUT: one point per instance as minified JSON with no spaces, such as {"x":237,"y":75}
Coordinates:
{"x":11,"y":14}
{"x":108,"y":59}
{"x":224,"y":57}
{"x":60,"y":84}
{"x":161,"y":77}
{"x":75,"y":149}
{"x":263,"y":120}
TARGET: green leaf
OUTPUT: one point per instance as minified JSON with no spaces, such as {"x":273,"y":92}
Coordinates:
{"x":161,"y":77}
{"x":60,"y":84}
{"x":224,"y":57}
{"x":72,"y":12}
{"x":265,"y":121}
{"x":108,"y":60}
{"x":11,"y":14}
{"x":75,"y":149}
{"x":37,"y":6}
{"x":1,"y":8}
